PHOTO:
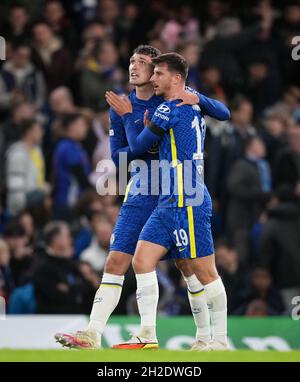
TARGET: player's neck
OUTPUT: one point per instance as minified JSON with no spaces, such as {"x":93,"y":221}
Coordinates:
{"x":144,"y":92}
{"x":174,"y":92}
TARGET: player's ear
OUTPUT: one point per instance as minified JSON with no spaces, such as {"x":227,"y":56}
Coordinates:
{"x":177,"y":78}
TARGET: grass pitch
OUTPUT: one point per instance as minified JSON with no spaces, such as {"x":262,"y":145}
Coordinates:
{"x":145,"y":356}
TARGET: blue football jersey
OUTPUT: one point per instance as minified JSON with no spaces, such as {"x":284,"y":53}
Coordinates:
{"x":182,"y":130}
{"x":134,"y":192}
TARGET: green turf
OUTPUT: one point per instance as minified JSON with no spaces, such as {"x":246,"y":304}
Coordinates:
{"x":145,"y":356}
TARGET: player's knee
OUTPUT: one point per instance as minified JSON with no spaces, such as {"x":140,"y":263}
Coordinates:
{"x":137,"y":263}
{"x":207,"y":276}
{"x":141,"y":264}
{"x":117,"y":263}
{"x":184,"y":266}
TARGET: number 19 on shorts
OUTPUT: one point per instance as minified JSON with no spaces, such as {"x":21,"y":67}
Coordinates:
{"x":181,"y":237}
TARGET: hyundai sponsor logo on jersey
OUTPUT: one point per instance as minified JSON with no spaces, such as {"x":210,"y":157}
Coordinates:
{"x":164,"y":108}
{"x":162,"y":116}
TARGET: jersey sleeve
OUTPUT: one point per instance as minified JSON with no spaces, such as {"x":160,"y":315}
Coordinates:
{"x":138,"y":143}
{"x":214,"y":108}
{"x":117,"y":138}
{"x":211,"y":107}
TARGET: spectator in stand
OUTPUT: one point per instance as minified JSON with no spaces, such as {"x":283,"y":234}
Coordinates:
{"x":51,"y":56}
{"x":261,"y":289}
{"x":112,"y":211}
{"x":17,"y":29}
{"x":211,"y":83}
{"x":10,"y":131}
{"x":287,"y":173}
{"x":21,"y":252}
{"x":289,"y":105}
{"x":100,"y":129}
{"x":233,"y":274}
{"x":62,"y":103}
{"x":279,"y":247}
{"x":226,"y":147}
{"x":25,"y":169}
{"x":191,"y":51}
{"x":262,"y":53}
{"x":100,"y":74}
{"x":109,"y":16}
{"x":7,"y":283}
{"x":59,"y":285}
{"x":55,"y":16}
{"x":223,"y":51}
{"x":92,"y":33}
{"x":71,"y":165}
{"x":249,"y":186}
{"x":183,"y":26}
{"x":97,"y":252}
{"x":20,"y":80}
{"x":215,"y":12}
{"x":274,"y":128}
{"x":257,"y":308}
{"x":291,"y":17}
{"x":26,"y":221}
{"x":90,"y":276}
{"x":88,"y":203}
{"x":263,"y":85}
{"x":288,"y":28}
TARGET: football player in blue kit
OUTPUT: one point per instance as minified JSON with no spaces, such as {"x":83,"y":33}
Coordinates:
{"x":181,"y":220}
{"x":136,"y":208}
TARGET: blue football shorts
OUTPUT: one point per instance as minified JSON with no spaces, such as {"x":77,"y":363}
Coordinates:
{"x":185,"y":231}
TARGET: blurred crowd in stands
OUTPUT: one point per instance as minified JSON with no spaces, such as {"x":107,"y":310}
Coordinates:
{"x":61,"y":57}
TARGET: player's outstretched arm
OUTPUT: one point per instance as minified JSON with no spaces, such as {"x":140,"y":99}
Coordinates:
{"x":142,"y":142}
{"x":117,"y":139}
{"x":122,"y":107}
{"x":214,"y":108}
{"x":209,"y":106}
{"x":153,"y":131}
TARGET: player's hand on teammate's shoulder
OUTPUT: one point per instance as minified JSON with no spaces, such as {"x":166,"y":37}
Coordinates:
{"x":120,"y":103}
{"x":146,"y":118}
{"x":187,"y":98}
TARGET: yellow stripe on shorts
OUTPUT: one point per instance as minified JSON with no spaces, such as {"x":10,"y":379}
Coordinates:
{"x":180,"y":185}
{"x":127,"y":190}
{"x":173,"y":148}
{"x":191,"y":231}
{"x":179,"y":169}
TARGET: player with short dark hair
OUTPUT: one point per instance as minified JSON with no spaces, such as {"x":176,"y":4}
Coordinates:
{"x":175,"y":63}
{"x":180,"y":223}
